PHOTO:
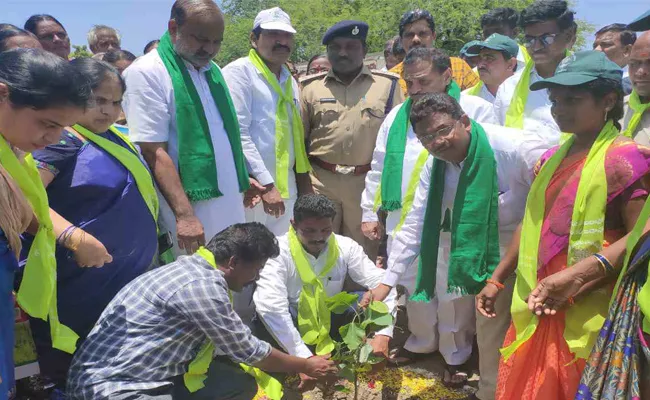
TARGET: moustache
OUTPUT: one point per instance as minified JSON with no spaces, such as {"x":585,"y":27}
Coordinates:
{"x":281,"y":46}
{"x":317,"y":242}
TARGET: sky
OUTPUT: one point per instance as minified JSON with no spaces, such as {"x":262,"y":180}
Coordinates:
{"x":140,"y":21}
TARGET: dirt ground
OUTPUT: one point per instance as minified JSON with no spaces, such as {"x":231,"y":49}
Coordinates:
{"x":418,"y":381}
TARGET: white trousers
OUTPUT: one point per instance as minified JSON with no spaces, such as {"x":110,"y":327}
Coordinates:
{"x":447,"y":323}
{"x":278,"y":226}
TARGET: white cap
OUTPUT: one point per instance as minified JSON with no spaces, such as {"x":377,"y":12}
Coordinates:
{"x":274,"y":19}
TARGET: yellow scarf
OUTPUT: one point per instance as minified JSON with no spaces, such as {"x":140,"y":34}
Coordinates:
{"x":475,"y":90}
{"x":282,"y":121}
{"x":37,"y":293}
{"x":314,"y":317}
{"x":198,"y":369}
{"x":639,"y":109}
{"x":585,"y":318}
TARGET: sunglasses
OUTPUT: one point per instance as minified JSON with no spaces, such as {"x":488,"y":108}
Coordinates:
{"x":545,"y":40}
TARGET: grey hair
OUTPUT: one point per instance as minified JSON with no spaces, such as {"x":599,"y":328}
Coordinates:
{"x":94,"y":31}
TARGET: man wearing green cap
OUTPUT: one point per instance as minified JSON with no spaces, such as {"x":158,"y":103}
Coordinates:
{"x":497,"y":61}
{"x":469,"y":57}
{"x":636,"y":122}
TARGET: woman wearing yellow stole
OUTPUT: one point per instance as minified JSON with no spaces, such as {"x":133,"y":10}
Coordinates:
{"x":587,"y":193}
{"x":39,"y":94}
{"x":104,"y":210}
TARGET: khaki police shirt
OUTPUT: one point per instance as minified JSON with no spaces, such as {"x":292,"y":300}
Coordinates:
{"x":341,"y":122}
{"x":642,"y":133}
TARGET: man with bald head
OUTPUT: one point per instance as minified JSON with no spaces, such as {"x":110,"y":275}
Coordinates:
{"x":636,"y":122}
{"x":180,"y":113}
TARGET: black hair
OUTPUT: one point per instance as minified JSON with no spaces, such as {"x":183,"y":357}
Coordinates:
{"x":114,"y":56}
{"x":257,"y":32}
{"x":248,"y":242}
{"x":548,"y":10}
{"x":435,"y":103}
{"x":398,"y":48}
{"x":149,"y":45}
{"x":439,"y":60}
{"x":96,"y":71}
{"x":313,"y":206}
{"x":500,"y":16}
{"x":601,"y":87}
{"x":32,"y":22}
{"x":388,"y":47}
{"x":314,"y":58}
{"x":39,"y":79}
{"x":410,"y":17}
{"x":627,"y":36}
{"x":12,"y":31}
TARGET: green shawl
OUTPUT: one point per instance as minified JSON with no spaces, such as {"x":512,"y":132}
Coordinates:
{"x":391,"y":176}
{"x":474,"y":223}
{"x":196,"y":163}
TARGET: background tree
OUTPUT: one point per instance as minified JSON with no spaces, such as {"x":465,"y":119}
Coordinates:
{"x":80,"y":52}
{"x":457,"y":22}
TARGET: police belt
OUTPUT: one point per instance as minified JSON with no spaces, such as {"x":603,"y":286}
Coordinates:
{"x":340,"y":169}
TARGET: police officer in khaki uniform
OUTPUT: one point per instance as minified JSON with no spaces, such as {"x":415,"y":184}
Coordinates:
{"x":342,"y":112}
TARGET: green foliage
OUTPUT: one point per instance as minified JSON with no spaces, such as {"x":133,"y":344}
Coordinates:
{"x":340,"y":302}
{"x":457,"y":22}
{"x":80,"y":52}
{"x":354,"y":354}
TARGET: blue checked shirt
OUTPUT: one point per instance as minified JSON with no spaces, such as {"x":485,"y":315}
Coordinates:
{"x":155,"y":327}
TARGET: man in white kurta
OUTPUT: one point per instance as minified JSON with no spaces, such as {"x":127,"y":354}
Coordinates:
{"x":447,"y":323}
{"x":150,"y":108}
{"x":549,"y":34}
{"x":256,"y":104}
{"x":279,"y":287}
{"x":423,"y":76}
{"x":636,"y":124}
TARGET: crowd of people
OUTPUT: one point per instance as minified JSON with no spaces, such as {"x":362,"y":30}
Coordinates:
{"x":175,"y":229}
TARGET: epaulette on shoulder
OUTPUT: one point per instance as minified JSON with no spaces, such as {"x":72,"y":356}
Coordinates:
{"x":310,"y":78}
{"x":386,"y":74}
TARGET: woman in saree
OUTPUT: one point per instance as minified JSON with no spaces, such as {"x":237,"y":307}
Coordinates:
{"x":39,"y":94}
{"x":104,"y":208}
{"x":587,"y":194}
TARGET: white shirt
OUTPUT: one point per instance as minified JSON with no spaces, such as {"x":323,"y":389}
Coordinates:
{"x":484,"y":94}
{"x":278,"y":289}
{"x":521,"y":60}
{"x":256,"y":105}
{"x":476,"y":108}
{"x":538,"y":105}
{"x":150,"y":109}
{"x":516,"y":153}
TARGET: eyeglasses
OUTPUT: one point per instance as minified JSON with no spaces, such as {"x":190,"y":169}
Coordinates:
{"x":545,"y":40}
{"x":440,"y":133}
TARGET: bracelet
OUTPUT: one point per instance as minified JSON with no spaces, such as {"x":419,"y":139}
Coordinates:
{"x":65,"y":234}
{"x":496,"y":283}
{"x":74,"y":247}
{"x":607,"y":266}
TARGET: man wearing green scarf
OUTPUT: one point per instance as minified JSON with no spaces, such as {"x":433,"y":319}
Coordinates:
{"x":267,"y":101}
{"x":636,"y":122}
{"x":398,"y":153}
{"x":181,"y":114}
{"x":294,"y":288}
{"x":469,"y":200}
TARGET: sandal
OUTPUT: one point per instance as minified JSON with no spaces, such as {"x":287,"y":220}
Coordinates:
{"x":402,"y":357}
{"x":454,"y":377}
